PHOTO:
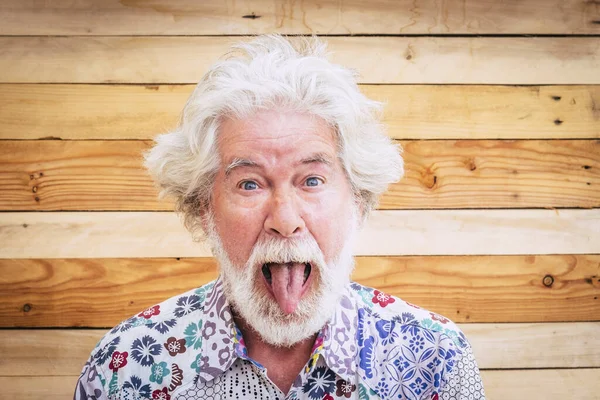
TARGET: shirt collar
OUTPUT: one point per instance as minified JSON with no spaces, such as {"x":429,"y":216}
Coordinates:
{"x":223,"y":342}
{"x":218,"y":335}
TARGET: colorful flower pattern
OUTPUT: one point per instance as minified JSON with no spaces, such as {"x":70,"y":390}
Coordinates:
{"x":439,"y":318}
{"x":176,"y":378}
{"x":144,"y":349}
{"x":344,"y":388}
{"x":376,"y":346}
{"x":193,"y":335}
{"x":161,"y":394}
{"x":134,"y":389}
{"x":159,"y":372}
{"x":382,"y":299}
{"x":319,"y":383}
{"x":175,"y":346}
{"x":150,"y":312}
{"x":118,"y":360}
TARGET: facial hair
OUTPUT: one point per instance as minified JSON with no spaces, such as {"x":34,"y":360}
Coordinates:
{"x":244,"y":288}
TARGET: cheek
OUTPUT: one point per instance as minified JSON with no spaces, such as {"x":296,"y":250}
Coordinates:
{"x":238,"y":228}
{"x":331,"y":225}
{"x":237,"y":240}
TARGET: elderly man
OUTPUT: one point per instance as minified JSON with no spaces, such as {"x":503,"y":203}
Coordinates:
{"x":277,"y":161}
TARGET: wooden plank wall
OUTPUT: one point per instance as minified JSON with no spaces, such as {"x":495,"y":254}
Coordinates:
{"x":496,"y":225}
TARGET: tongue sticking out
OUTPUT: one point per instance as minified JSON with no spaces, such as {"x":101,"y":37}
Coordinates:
{"x":287,"y":281}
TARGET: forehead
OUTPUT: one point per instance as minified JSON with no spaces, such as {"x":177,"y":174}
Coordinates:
{"x":275,"y":134}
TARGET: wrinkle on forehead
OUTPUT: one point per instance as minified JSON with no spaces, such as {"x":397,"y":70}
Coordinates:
{"x":273,"y":119}
{"x":269,"y":136}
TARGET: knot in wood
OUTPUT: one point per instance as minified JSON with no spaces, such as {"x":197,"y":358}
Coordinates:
{"x":409,"y":53}
{"x":26,"y":307}
{"x":548,"y":280}
{"x":470,"y":164}
{"x":430,"y":181}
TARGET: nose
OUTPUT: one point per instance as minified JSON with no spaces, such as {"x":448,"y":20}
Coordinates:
{"x":284,"y":218}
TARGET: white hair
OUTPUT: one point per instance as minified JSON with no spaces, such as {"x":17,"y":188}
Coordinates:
{"x":273,"y":73}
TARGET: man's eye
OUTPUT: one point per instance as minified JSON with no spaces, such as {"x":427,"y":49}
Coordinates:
{"x":313,"y":181}
{"x":249,"y":185}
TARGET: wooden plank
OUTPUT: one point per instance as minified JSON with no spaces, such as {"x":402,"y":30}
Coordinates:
{"x":509,"y":346}
{"x":412,"y":112}
{"x":497,"y":174}
{"x":470,"y":60}
{"x":45,"y":387}
{"x":62,"y":352}
{"x":102,"y":292}
{"x":431,"y":232}
{"x":46,"y":352}
{"x":107,"y":172}
{"x":93,"y":111}
{"x":488,"y":112}
{"x":492,"y":288}
{"x":108,"y":175}
{"x":93,"y":293}
{"x":214,"y":17}
{"x":549,"y":384}
{"x":542,"y":384}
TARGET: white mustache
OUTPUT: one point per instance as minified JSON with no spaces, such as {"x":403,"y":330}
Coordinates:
{"x":281,"y":251}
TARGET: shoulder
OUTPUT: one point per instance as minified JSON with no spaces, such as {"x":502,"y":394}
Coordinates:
{"x":154,"y":349}
{"x":379,"y":306}
{"x":404,"y":349}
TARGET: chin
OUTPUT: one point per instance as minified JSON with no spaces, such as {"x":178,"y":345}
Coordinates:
{"x":264,"y":315}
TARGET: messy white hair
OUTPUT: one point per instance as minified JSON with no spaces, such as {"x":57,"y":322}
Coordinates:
{"x":271,"y":72}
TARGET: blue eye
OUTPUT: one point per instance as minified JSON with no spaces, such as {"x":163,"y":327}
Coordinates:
{"x":249,"y":185}
{"x":312,"y":181}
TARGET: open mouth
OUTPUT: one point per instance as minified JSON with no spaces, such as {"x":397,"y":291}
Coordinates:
{"x":287,"y":282}
{"x":266,"y":270}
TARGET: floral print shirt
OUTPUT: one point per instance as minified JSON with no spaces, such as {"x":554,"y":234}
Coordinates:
{"x":376,"y":346}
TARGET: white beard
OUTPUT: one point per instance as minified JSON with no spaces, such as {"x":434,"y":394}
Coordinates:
{"x":243,"y":285}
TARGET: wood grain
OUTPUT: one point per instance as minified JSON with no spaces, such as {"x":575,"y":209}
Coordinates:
{"x":45,"y":387}
{"x":108,"y":175}
{"x":90,"y":111}
{"x":93,"y":293}
{"x":46,"y":352}
{"x":89,"y":175}
{"x":103,"y":292}
{"x":214,"y":17}
{"x":542,"y":384}
{"x":62,"y":352}
{"x":504,"y":346}
{"x":35,"y":111}
{"x":431,"y":232}
{"x":548,"y":384}
{"x":471,"y":60}
{"x":497,"y":174}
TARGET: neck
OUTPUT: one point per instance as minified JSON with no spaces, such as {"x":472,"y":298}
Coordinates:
{"x":283,"y":364}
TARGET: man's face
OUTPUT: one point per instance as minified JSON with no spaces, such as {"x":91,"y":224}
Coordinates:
{"x":283,"y":215}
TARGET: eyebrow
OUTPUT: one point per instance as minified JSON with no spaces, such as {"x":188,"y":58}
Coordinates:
{"x":321,"y":158}
{"x":237,"y":163}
